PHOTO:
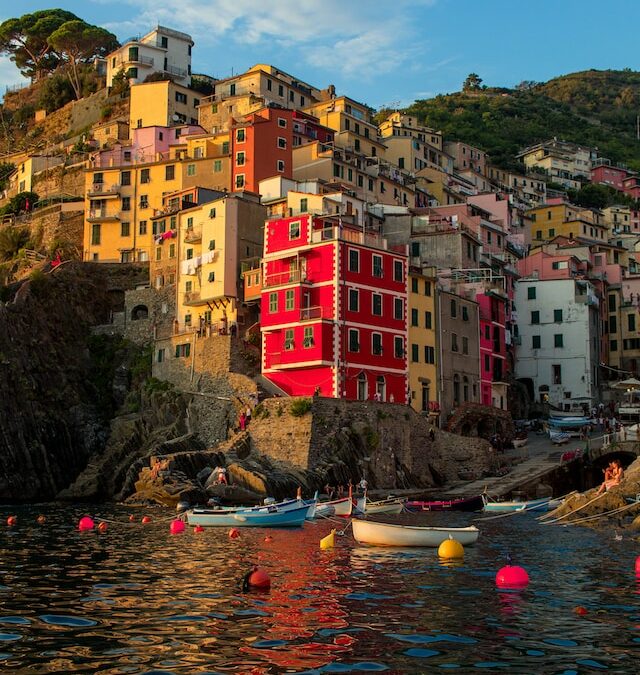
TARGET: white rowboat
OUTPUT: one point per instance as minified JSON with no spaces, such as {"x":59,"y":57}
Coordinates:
{"x":387,"y":534}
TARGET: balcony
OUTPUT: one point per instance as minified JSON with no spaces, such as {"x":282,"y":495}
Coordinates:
{"x":314,"y":313}
{"x":352,"y":236}
{"x":97,"y":215}
{"x":284,"y":278}
{"x":172,"y":70}
{"x":192,"y":235}
{"x":192,"y":298}
{"x":102,"y":190}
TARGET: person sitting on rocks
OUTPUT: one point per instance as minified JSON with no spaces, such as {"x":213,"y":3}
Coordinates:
{"x":613,"y":476}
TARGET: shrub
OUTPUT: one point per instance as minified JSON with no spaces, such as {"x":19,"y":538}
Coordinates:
{"x":12,"y":240}
{"x":300,"y":407}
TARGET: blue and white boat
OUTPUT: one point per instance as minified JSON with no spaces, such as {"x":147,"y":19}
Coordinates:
{"x":544,"y":504}
{"x":270,"y":516}
{"x":569,"y":422}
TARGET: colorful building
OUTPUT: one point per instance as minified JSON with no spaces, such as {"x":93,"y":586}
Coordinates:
{"x":334,"y":305}
{"x":164,"y":103}
{"x":560,"y":218}
{"x":604,"y":173}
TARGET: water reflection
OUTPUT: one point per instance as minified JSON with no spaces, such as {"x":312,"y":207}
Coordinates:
{"x":137,"y":600}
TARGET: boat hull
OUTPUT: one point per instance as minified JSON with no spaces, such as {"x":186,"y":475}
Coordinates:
{"x":342,"y":507}
{"x":386,"y":534}
{"x":240,"y":518}
{"x":465,"y":504}
{"x":391,"y":507}
{"x":531,"y":505}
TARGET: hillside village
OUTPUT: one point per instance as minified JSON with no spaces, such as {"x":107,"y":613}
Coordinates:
{"x":344,"y":255}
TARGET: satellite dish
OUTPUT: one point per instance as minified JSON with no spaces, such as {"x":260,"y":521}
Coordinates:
{"x":175,"y":118}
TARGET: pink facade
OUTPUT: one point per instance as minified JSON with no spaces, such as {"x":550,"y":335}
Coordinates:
{"x":609,"y":175}
{"x":333,"y":311}
{"x":493,"y":364}
{"x":547,"y":266}
{"x":632,"y":187}
{"x":477,"y":220}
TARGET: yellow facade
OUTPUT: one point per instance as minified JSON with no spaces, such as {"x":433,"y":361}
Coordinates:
{"x":421,"y":344}
{"x":213,"y":239}
{"x":553,"y":220}
{"x":120,"y":202}
{"x":162,"y":104}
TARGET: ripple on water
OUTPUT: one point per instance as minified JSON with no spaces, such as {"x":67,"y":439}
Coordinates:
{"x":68,"y":621}
{"x":15,"y":620}
{"x":8,"y":637}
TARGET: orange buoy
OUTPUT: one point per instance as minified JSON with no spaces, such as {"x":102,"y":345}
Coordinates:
{"x":580,"y":611}
{"x":86,"y":523}
{"x":41,"y":520}
{"x":268,"y":539}
{"x":259,"y":579}
{"x":12,"y":520}
{"x":198,"y":528}
{"x":146,"y":519}
{"x":102,"y":527}
{"x":234,"y":533}
{"x":132,"y":519}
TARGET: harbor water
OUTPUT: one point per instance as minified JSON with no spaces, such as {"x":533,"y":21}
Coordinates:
{"x":136,"y":599}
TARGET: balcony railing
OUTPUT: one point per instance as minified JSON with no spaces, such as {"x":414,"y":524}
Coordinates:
{"x":353,"y":236}
{"x":102,"y":189}
{"x":313,"y":313}
{"x":126,"y":59}
{"x":191,"y":298}
{"x":172,"y":70}
{"x":101,"y":214}
{"x":282,"y":278}
{"x":192,"y":235}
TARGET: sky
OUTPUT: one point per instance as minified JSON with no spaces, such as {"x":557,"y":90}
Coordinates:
{"x":379,"y":53}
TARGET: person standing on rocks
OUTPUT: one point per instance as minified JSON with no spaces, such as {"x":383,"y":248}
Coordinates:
{"x":243,"y":421}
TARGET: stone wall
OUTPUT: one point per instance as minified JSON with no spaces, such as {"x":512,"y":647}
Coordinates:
{"x":60,"y":180}
{"x":159,"y":305}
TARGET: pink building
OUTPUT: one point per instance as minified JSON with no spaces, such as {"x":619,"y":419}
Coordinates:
{"x":334,"y":306}
{"x":493,"y":357}
{"x":632,"y":186}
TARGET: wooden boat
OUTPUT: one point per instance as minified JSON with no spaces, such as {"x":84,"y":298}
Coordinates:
{"x":388,"y":506}
{"x":543,"y":504}
{"x":387,"y":534}
{"x":267,"y":517}
{"x":463,"y":504}
{"x":324,"y":510}
{"x":342,"y":507}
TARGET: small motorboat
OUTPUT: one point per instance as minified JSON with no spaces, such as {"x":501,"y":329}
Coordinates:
{"x":559,"y":437}
{"x":266,"y":517}
{"x":544,"y":504}
{"x":388,"y":534}
{"x":462,"y":504}
{"x":391,"y":505}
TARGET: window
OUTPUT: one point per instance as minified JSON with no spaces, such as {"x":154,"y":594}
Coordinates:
{"x":531,"y":293}
{"x":280,"y":165}
{"x":217,"y":166}
{"x":142,"y":228}
{"x":288,"y":339}
{"x":145,"y":176}
{"x":126,"y":203}
{"x":398,"y":269}
{"x":282,"y":142}
{"x":612,"y":303}
{"x":280,"y":90}
{"x":414,"y":317}
{"x":427,"y":288}
{"x":557,"y":315}
{"x":465,"y":345}
{"x":535,"y":317}
{"x":465,"y":313}
{"x":429,"y":354}
{"x":398,"y":310}
{"x":556,"y":371}
{"x":631,"y":322}
{"x":239,"y":158}
{"x":225,"y":147}
{"x":354,"y":342}
{"x":427,"y":320}
{"x":169,"y":172}
{"x":376,"y":304}
{"x":184,"y":350}
{"x":487,"y":363}
{"x":240,"y":180}
{"x":454,"y":342}
{"x":414,"y":285}
{"x":172,"y":250}
{"x":125,"y":178}
{"x":294,"y":230}
{"x":191,"y":169}
{"x":95,"y":234}
{"x":144,"y":202}
{"x":415,"y":353}
{"x":308,"y":337}
{"x":180,"y":97}
{"x":240,"y":135}
{"x":613,"y":324}
{"x":535,"y":342}
{"x":124,"y":229}
{"x":273,"y":303}
{"x":613,"y":346}
{"x":289,"y":300}
{"x":398,"y":347}
{"x":354,"y":260}
{"x":160,"y":355}
{"x":377,"y":265}
{"x":304,"y":205}
{"x":376,"y":344}
{"x":353,"y":300}
{"x":454,"y":309}
{"x":282,"y":122}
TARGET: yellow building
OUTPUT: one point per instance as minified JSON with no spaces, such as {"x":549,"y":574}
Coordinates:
{"x":618,"y":218}
{"x":213,"y":239}
{"x":121,"y":201}
{"x":22,"y":179}
{"x":162,"y":104}
{"x":561,"y":218}
{"x":422,"y":348}
{"x":564,"y":163}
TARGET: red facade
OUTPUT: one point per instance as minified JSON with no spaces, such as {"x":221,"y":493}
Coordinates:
{"x":493,"y":363}
{"x":609,"y":175}
{"x":333,"y":310}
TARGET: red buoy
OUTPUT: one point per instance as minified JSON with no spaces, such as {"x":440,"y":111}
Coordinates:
{"x":580,"y":611}
{"x":41,"y":520}
{"x":146,"y":519}
{"x":234,"y":533}
{"x":86,"y":523}
{"x":512,"y":576}
{"x":132,"y":519}
{"x":259,"y":579}
{"x":176,"y":526}
{"x":12,"y":520}
{"x":638,"y":565}
{"x":268,"y":539}
{"x":198,"y":528}
{"x":102,"y":527}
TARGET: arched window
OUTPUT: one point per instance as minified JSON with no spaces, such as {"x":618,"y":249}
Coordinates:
{"x":362,"y":387}
{"x":381,"y":388}
{"x":139,"y":312}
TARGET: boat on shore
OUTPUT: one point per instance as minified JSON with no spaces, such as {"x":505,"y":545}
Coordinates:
{"x":342,"y":507}
{"x":391,"y":505}
{"x":543,"y":504}
{"x":388,"y":534}
{"x":475,"y":503}
{"x":266,"y":517}
{"x":559,"y":437}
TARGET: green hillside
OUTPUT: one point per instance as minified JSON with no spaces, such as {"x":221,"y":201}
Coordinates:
{"x":595,"y":108}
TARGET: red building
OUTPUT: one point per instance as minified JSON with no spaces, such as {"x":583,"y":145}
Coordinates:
{"x":493,"y":353}
{"x":334,"y":306}
{"x":261,"y":147}
{"x":613,"y":176}
{"x":307,"y":129}
{"x":632,"y":186}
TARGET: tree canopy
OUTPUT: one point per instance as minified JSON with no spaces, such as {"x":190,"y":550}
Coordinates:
{"x":78,"y":42}
{"x":25,"y":40}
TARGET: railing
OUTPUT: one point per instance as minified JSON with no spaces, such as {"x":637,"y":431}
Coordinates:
{"x":191,"y":235}
{"x":238,"y":91}
{"x":288,"y":277}
{"x":191,"y":297}
{"x":101,"y":189}
{"x":97,"y":214}
{"x":312,"y":313}
{"x":172,"y":70}
{"x":353,"y":236}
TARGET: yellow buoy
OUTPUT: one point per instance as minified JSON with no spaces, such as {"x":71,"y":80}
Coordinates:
{"x":451,"y":549}
{"x":329,"y":541}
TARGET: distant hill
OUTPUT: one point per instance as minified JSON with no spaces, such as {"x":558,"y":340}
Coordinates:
{"x":596,"y":108}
